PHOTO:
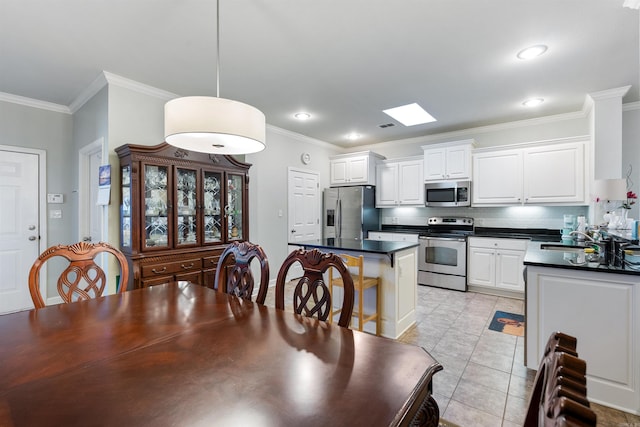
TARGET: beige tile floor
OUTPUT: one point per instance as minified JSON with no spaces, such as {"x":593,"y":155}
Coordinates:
{"x":484,"y":381}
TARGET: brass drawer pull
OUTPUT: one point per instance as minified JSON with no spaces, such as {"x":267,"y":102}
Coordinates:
{"x":185,"y":267}
{"x":161,"y":271}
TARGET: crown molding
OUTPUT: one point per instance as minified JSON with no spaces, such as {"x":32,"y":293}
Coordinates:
{"x":304,"y":138}
{"x":470,"y":132}
{"x":630,"y":106}
{"x":34,"y":103}
{"x":107,"y":78}
{"x":631,"y":4}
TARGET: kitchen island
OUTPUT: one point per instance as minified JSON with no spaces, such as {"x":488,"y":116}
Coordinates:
{"x":599,"y":305}
{"x":396,"y":264}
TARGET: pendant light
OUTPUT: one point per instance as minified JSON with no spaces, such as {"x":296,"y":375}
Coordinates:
{"x":213,"y":124}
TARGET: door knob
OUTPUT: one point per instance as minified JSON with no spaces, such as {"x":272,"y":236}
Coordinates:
{"x":32,"y":238}
{"x":86,"y":239}
{"x":32,"y":227}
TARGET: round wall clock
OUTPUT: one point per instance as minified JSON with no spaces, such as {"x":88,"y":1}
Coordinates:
{"x":306,"y":158}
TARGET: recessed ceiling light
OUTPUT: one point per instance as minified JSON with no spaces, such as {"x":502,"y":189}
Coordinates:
{"x":533,"y":102}
{"x":353,"y":136}
{"x":302,"y":116}
{"x":532,"y":52}
{"x":410,"y":114}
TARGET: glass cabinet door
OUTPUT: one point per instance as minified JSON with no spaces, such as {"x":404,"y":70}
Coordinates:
{"x":234,"y":208}
{"x":125,"y":227}
{"x":155,"y":206}
{"x":186,"y":191}
{"x":212,"y":212}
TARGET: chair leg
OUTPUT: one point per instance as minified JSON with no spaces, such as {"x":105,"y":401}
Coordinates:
{"x":360,"y":309}
{"x":378,"y":312}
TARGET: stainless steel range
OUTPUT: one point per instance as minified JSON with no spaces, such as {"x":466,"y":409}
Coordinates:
{"x":443,"y":253}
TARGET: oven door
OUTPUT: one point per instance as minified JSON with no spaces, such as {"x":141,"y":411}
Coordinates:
{"x":444,"y":255}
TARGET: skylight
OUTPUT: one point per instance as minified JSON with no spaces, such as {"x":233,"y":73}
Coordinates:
{"x":410,"y":114}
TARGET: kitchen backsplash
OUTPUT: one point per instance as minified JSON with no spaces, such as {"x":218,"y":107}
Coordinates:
{"x":510,"y":217}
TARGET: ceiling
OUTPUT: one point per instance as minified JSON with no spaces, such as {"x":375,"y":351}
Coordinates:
{"x":343,"y":61}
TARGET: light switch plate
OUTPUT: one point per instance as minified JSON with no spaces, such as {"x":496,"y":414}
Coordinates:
{"x":54,"y":198}
{"x":55,"y":213}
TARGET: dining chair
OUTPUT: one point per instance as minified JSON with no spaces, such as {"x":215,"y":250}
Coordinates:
{"x":559,"y":395}
{"x":82,"y":279}
{"x":311,"y":295}
{"x":355,"y":265}
{"x":235,"y":263}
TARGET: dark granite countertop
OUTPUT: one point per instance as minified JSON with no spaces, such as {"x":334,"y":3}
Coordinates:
{"x":570,"y":260}
{"x":367,"y":246}
{"x":533,"y":234}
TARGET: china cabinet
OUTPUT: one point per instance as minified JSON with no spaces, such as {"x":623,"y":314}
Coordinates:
{"x":179,"y":210}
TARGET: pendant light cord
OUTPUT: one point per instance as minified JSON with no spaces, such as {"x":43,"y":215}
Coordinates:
{"x":217,"y":48}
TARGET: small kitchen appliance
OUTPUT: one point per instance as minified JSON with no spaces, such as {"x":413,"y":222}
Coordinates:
{"x":443,"y":253}
{"x":447,"y":194}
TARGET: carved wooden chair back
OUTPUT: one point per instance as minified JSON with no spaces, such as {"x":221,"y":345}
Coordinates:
{"x":559,"y":396}
{"x":82,"y":279}
{"x":235,"y":262}
{"x":311,"y":295}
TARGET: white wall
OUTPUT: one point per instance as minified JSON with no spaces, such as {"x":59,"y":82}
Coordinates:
{"x":541,"y":129}
{"x":268,"y":187}
{"x":28,"y":127}
{"x":631,"y":152}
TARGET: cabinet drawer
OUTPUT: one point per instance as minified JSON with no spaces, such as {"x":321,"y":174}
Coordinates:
{"x":156,"y":281}
{"x":211,"y":262}
{"x":493,"y":243}
{"x":190,"y":277}
{"x":182,"y":266}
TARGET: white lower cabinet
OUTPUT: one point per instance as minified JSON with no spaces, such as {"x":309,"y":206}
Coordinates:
{"x":600,"y":309}
{"x":497,"y":264}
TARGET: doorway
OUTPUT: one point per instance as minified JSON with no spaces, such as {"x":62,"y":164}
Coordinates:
{"x":304,"y":205}
{"x":22,"y":223}
{"x":91,"y":215}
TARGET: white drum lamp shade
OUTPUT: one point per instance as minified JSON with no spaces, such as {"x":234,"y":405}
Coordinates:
{"x":214,"y":125}
{"x":610,"y":189}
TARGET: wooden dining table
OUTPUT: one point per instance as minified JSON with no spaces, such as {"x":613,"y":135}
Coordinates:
{"x":181,"y":354}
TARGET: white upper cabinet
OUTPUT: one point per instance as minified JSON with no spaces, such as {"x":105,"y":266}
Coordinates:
{"x":497,"y":177}
{"x":354,"y":169}
{"x":448,"y":161}
{"x":554,"y":174}
{"x":536,"y":174}
{"x":400,"y":183}
{"x":386,"y":184}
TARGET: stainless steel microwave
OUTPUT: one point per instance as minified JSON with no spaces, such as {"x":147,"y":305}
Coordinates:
{"x":447,"y":194}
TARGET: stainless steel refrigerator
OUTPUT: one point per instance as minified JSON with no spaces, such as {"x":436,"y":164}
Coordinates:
{"x":350,"y":212}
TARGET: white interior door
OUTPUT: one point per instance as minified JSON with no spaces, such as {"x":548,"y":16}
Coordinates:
{"x":91,"y":215}
{"x":21,"y":224}
{"x":304,"y":205}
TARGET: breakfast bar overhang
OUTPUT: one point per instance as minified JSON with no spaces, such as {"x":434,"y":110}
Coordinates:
{"x":395,"y":263}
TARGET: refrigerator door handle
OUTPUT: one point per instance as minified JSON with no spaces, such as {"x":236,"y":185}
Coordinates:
{"x":339,"y":218}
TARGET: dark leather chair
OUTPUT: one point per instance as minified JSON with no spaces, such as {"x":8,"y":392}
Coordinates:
{"x":559,"y":396}
{"x":311,"y":296}
{"x":235,"y":263}
{"x":83,"y":279}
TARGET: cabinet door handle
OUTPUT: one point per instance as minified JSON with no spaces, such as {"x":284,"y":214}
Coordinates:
{"x":187,"y":267}
{"x":161,"y":271}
